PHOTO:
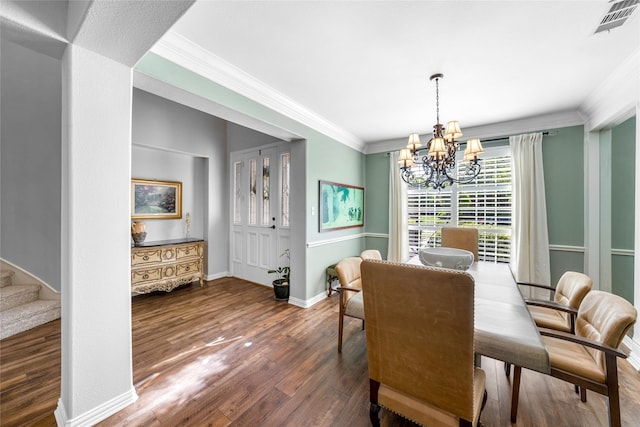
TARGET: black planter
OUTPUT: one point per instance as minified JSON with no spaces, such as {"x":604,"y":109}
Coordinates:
{"x":281,"y":290}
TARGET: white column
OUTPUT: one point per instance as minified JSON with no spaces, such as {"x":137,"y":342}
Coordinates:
{"x":592,"y":205}
{"x":635,"y":342}
{"x":96,"y":302}
{"x":604,"y":163}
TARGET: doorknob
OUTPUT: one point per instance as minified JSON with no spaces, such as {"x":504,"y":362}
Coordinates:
{"x":273,"y":226}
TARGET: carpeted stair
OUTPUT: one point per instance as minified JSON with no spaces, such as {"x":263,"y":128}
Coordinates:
{"x":20,"y":308}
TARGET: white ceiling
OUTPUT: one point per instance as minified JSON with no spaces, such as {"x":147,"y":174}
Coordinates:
{"x":365,"y":65}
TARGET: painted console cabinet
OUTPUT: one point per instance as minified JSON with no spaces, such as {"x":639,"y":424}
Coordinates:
{"x":164,"y":265}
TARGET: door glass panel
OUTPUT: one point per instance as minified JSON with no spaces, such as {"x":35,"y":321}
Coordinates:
{"x":237,"y":200}
{"x":266,"y":212}
{"x":284,"y":178}
{"x":252,"y":192}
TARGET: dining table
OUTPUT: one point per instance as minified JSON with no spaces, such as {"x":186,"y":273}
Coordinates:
{"x":504,"y":328}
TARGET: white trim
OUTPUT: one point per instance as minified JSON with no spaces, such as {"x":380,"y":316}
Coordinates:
{"x":309,"y":302}
{"x":344,"y":239}
{"x":215,"y":276}
{"x":377,"y":235}
{"x":98,"y":413}
{"x":182,"y":51}
{"x":615,"y":99}
{"x":591,"y":213}
{"x":634,"y":351}
{"x":622,"y":252}
{"x":566,"y":248}
{"x":556,"y":120}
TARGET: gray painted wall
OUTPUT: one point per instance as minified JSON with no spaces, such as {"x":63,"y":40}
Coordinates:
{"x":241,"y":138}
{"x":30,"y":170}
{"x":175,"y":142}
{"x":151,"y":163}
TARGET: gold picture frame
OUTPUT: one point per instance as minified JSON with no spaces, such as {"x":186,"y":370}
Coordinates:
{"x":152,"y":199}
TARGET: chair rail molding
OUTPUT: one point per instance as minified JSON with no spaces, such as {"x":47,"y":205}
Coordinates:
{"x":346,"y":238}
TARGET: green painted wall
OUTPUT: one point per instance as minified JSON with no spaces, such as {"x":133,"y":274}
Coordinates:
{"x":622,"y":206}
{"x":563,"y":158}
{"x":329,"y":160}
{"x":377,"y":201}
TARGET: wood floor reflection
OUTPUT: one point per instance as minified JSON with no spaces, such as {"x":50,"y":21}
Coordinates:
{"x":229,"y":355}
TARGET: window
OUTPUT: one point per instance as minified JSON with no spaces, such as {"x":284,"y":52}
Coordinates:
{"x":484,"y":204}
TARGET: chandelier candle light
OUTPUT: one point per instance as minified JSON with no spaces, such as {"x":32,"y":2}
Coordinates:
{"x":435,"y":165}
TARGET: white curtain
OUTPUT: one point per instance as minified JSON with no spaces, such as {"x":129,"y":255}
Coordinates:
{"x":398,"y":230}
{"x":529,"y":240}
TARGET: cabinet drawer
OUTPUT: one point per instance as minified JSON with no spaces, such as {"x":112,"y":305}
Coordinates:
{"x":187,"y":268}
{"x":145,"y":275}
{"x":168,"y":254}
{"x":190,"y":251}
{"x":139,"y":257}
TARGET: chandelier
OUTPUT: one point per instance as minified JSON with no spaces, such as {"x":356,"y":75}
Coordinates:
{"x":434,"y":166}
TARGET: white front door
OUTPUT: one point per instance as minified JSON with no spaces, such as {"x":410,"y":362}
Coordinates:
{"x":260,"y":213}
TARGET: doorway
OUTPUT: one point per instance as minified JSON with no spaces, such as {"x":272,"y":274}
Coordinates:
{"x":260,"y":228}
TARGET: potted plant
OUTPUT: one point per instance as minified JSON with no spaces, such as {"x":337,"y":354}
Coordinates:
{"x":281,"y":284}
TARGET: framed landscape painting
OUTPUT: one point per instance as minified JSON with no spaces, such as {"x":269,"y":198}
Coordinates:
{"x":156,"y":199}
{"x":341,"y":206}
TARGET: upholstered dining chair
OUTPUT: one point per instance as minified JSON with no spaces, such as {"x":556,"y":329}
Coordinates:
{"x":351,"y":305}
{"x":420,"y":346}
{"x":370,"y":254}
{"x":559,"y":314}
{"x":588,"y":358}
{"x":461,"y":238}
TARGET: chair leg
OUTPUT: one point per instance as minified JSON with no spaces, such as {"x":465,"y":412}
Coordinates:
{"x":507,"y":368}
{"x":374,"y":409}
{"x":363,"y":324}
{"x":583,"y":394}
{"x":515,"y":392}
{"x":612,"y":389}
{"x":340,"y":321}
{"x":614,"y":409}
{"x":374,"y":415}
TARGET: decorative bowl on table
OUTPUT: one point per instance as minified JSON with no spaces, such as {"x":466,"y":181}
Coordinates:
{"x":456,"y":259}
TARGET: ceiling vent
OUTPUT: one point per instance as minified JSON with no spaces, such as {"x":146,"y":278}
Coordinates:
{"x":618,"y":13}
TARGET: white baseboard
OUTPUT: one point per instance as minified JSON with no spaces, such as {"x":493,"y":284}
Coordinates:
{"x":215,"y":276}
{"x":309,"y":302}
{"x":97,"y":414}
{"x":634,"y":351}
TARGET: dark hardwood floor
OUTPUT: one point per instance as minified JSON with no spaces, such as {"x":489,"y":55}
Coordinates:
{"x":229,"y":355}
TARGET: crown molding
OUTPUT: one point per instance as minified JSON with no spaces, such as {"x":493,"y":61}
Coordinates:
{"x":560,"y":119}
{"x":182,"y":51}
{"x":614,"y":100}
{"x":181,"y":96}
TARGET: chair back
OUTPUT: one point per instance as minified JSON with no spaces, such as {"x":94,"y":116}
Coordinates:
{"x":461,"y":238}
{"x":572,"y":288}
{"x":420,"y":333}
{"x":371,"y":254}
{"x":605,"y":318}
{"x":348,"y":271}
